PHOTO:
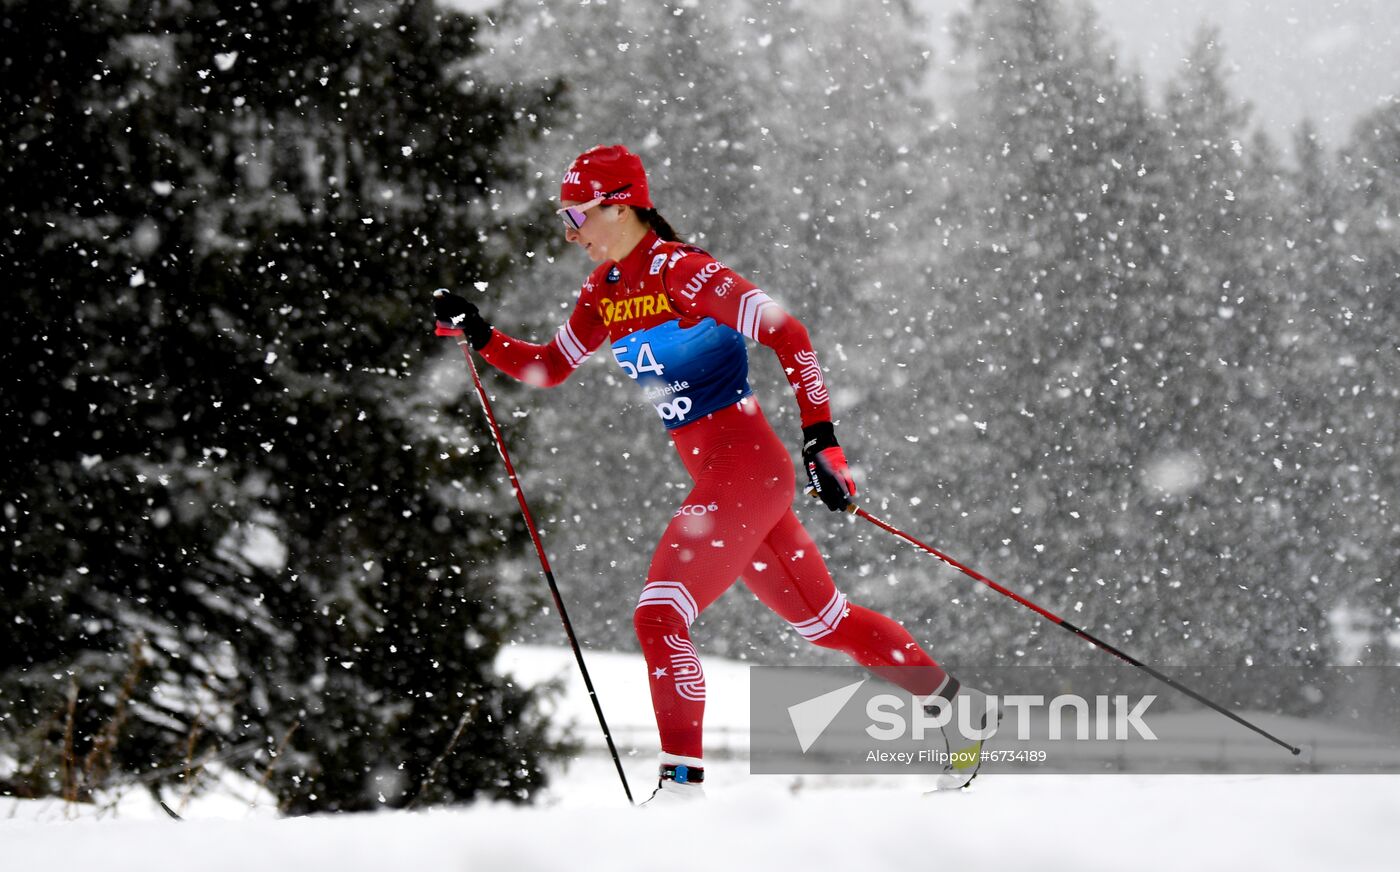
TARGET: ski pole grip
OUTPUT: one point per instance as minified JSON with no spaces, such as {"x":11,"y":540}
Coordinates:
{"x":850,"y":506}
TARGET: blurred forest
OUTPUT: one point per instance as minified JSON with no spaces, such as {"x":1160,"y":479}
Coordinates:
{"x":1110,"y":345}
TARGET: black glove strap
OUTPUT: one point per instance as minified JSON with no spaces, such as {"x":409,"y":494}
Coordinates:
{"x":818,"y":437}
{"x":478,"y":332}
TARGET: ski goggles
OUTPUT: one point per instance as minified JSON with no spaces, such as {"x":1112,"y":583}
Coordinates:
{"x":574,"y":216}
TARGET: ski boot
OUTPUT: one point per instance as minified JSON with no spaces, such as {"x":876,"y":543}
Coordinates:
{"x":973,"y":719}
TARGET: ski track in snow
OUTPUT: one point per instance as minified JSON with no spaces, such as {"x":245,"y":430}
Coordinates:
{"x":1045,"y":822}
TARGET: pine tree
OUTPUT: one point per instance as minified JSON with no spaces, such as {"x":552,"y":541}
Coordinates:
{"x":1111,"y":386}
{"x":238,"y":521}
{"x":1228,"y":299}
{"x":1360,"y":314}
{"x":1048,"y":254}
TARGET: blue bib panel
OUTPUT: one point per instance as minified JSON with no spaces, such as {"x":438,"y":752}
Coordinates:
{"x":686,"y":373}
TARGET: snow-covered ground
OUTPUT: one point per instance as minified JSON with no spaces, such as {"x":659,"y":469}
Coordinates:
{"x":1046,"y":822}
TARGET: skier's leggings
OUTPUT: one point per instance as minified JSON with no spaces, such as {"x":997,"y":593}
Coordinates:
{"x":738,"y":522}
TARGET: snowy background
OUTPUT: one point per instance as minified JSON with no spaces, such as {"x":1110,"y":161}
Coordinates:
{"x":1107,"y":297}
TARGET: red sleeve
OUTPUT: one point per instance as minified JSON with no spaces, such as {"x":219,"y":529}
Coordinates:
{"x":549,"y":364}
{"x":702,"y":287}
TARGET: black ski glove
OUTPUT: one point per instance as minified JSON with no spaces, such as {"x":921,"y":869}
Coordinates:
{"x":456,"y":315}
{"x":826,"y":467}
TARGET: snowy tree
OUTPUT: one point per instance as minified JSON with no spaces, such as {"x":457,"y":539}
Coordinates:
{"x":1114,"y":282}
{"x":1048,"y":250}
{"x":1224,"y":399}
{"x":239,"y":530}
{"x":1358,"y":305}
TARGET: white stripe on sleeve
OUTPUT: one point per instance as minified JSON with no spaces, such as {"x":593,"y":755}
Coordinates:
{"x":572,"y":349}
{"x":751,"y":308}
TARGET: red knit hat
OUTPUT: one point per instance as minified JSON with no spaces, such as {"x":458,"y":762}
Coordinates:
{"x":609,"y":170}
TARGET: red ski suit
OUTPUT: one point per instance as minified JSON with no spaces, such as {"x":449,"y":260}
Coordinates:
{"x":672,"y":313}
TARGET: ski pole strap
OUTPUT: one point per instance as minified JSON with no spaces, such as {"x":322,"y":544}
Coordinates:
{"x":682,"y":774}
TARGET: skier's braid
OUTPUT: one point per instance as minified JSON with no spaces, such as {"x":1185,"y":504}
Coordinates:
{"x":660,"y":226}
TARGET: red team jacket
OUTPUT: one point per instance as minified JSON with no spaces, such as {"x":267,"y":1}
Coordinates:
{"x":674,"y":316}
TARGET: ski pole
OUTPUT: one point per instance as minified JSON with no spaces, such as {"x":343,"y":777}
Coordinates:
{"x":853,"y":509}
{"x":544,"y":562}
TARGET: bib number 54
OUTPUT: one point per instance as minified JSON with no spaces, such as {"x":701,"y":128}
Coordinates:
{"x":646,"y":361}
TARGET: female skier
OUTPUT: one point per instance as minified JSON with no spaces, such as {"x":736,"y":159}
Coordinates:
{"x":675,"y":319}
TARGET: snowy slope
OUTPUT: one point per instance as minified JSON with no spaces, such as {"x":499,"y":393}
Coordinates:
{"x":1047,"y":822}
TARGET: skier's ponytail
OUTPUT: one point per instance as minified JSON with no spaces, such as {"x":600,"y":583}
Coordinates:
{"x":660,"y":226}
